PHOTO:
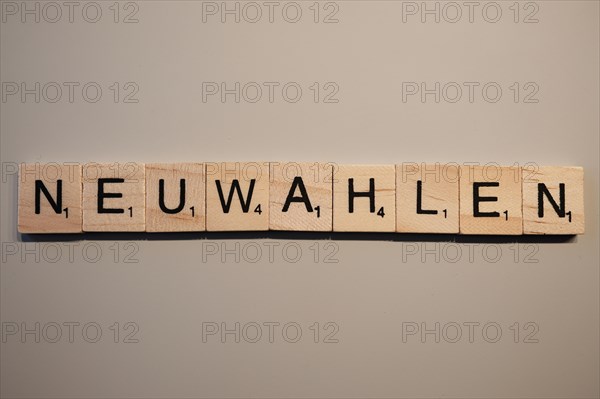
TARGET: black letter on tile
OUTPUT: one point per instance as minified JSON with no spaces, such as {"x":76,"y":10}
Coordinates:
{"x":477,"y":199}
{"x":297,"y":183}
{"x":235,"y":185}
{"x":420,"y":210}
{"x":370,"y":194}
{"x":102,"y":195}
{"x":161,"y":197}
{"x":559,"y":209}
{"x":41,"y":188}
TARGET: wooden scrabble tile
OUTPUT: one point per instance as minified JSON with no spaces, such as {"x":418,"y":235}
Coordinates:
{"x":114,"y":197}
{"x":364,"y":198}
{"x":175,"y":197}
{"x":301,"y":196}
{"x":50,"y":198}
{"x":237,"y":196}
{"x":427,"y":198}
{"x":553,"y":200}
{"x":490,"y":200}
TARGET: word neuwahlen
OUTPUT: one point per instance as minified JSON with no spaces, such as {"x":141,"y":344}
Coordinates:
{"x":291,"y":196}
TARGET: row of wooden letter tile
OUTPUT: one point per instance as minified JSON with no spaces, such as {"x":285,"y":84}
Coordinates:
{"x":291,"y":196}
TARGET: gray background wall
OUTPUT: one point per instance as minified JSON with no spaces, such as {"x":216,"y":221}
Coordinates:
{"x":172,"y":288}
